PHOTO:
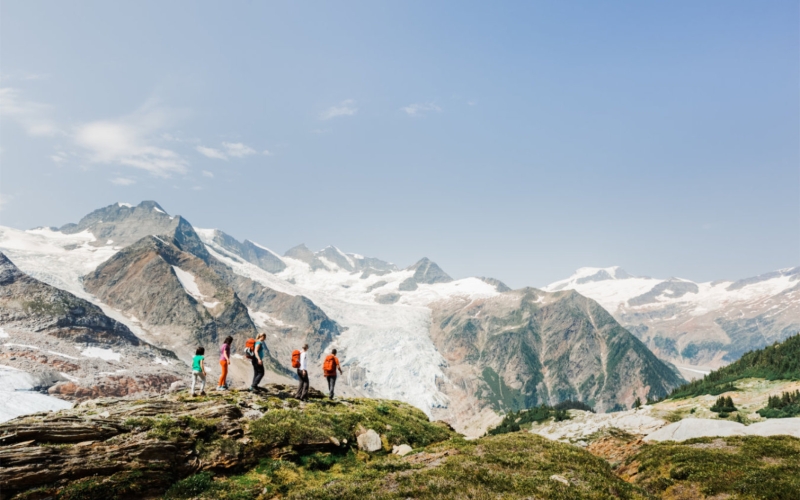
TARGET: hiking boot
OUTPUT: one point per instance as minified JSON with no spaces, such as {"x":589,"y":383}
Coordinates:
{"x":202,"y":393}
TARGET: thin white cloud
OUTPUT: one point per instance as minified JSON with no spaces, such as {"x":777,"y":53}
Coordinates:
{"x":33,"y":117}
{"x":4,"y":200}
{"x":208,"y":174}
{"x":266,"y":152}
{"x":345,"y":108}
{"x":237,"y":149}
{"x":122,"y":181}
{"x":211,"y":153}
{"x":59,"y":158}
{"x":420,"y":109}
{"x":472,"y":103}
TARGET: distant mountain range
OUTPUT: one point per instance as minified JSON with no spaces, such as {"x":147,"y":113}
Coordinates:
{"x":696,"y":326}
{"x":460,"y":350}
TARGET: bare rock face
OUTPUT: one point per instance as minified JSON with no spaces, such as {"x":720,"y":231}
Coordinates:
{"x":172,"y":291}
{"x":528,"y":347}
{"x":35,"y":306}
{"x":250,"y":252}
{"x":369,"y":441}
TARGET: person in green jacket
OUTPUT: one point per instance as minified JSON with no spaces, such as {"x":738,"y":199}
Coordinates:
{"x":199,"y":370}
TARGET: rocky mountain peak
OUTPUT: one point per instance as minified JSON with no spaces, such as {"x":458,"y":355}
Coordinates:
{"x":303,"y":254}
{"x":428,"y":272}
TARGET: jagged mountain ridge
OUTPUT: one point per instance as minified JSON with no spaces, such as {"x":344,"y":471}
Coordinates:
{"x":697,"y":326}
{"x":57,"y":341}
{"x":177,"y":286}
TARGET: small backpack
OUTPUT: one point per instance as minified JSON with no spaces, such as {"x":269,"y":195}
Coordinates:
{"x":295,"y":359}
{"x":329,"y":366}
{"x":250,"y":348}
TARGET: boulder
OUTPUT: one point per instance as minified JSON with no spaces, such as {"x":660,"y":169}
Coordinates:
{"x":369,"y":441}
{"x":401,"y":450}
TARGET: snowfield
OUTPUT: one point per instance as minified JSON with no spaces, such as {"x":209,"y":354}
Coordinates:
{"x":391,"y":343}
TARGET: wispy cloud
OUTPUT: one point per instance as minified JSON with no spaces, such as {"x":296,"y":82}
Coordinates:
{"x":211,"y":153}
{"x":237,"y":149}
{"x":33,"y":117}
{"x":130,"y":140}
{"x":266,"y":152}
{"x":345,"y":108}
{"x":420,"y":109}
{"x":229,"y":149}
{"x":208,"y":174}
{"x":122,"y":181}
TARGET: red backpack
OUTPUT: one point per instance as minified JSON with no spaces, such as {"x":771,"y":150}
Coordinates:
{"x":250,"y":348}
{"x":329,"y":366}
{"x":295,"y":359}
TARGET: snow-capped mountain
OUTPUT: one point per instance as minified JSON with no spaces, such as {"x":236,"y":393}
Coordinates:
{"x":696,"y":326}
{"x":460,"y":350}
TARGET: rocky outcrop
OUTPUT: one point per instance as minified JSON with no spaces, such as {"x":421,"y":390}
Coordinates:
{"x":113,"y":448}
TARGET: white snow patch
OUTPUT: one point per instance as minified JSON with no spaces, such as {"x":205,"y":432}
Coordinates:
{"x":125,"y":204}
{"x":159,"y":210}
{"x":98,"y":352}
{"x":109,"y":242}
{"x":62,"y":355}
{"x":19,"y":399}
{"x":3,"y":334}
{"x":189,"y":284}
{"x":69,"y":377}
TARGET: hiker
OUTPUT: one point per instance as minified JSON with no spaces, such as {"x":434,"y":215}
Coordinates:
{"x":258,"y":359}
{"x":199,"y":370}
{"x":329,"y":368}
{"x":302,"y":375}
{"x":224,"y":361}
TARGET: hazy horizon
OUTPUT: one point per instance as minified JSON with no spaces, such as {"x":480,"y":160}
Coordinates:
{"x":516,"y":141}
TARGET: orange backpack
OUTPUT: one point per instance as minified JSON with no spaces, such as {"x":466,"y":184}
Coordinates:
{"x":329,"y":366}
{"x":295,"y":359}
{"x":250,"y":348}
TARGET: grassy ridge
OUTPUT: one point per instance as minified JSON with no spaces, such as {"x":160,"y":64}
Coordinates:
{"x":780,"y":361}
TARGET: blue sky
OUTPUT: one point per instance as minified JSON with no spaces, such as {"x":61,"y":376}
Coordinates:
{"x":518,"y":140}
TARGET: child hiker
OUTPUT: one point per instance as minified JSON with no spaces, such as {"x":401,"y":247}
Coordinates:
{"x":199,"y":370}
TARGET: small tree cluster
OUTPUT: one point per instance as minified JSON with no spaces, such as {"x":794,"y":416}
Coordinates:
{"x":784,"y":406}
{"x":724,"y":404}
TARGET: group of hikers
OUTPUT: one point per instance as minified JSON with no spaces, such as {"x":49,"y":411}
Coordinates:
{"x":256,"y":352}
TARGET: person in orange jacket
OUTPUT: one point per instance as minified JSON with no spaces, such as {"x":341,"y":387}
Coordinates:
{"x":329,"y":368}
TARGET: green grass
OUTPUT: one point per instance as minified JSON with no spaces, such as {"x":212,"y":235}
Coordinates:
{"x":780,"y":361}
{"x":515,"y":420}
{"x":509,"y":466}
{"x":745,"y":467}
{"x":318,"y":421}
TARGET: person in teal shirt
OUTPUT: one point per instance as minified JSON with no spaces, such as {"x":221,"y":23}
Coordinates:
{"x":199,"y":370}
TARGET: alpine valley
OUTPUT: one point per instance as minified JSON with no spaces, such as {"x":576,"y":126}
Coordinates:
{"x":116,"y":304}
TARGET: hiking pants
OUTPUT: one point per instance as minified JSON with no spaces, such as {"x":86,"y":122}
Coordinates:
{"x":331,"y":384}
{"x":258,"y":373}
{"x":198,"y":376}
{"x":222,"y":378}
{"x":302,"y":388}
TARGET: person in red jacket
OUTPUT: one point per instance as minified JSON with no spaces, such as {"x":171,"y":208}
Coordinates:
{"x":329,"y":368}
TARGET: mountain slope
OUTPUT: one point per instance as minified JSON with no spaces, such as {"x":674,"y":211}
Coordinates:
{"x":65,"y":345}
{"x":779,"y":361}
{"x":697,"y":326}
{"x":528,"y":347}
